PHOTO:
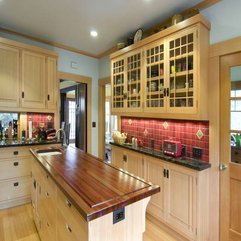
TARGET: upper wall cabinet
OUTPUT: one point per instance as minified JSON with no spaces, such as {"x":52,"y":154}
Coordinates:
{"x":164,"y":75}
{"x":9,"y":76}
{"x":33,"y":80}
{"x":28,"y":78}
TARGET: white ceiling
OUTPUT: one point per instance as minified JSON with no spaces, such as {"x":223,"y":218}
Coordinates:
{"x":69,"y":21}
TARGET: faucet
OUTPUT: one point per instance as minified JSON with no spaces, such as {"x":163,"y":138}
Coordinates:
{"x":64,"y":139}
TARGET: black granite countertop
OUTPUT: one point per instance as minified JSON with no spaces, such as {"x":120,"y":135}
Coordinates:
{"x":26,"y":142}
{"x":183,"y":161}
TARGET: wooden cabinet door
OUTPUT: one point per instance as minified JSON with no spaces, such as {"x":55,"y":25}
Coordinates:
{"x":153,"y":172}
{"x":33,"y":80}
{"x":9,"y":77}
{"x":52,"y":86}
{"x":134,"y":163}
{"x":118,"y":88}
{"x":180,"y":194}
{"x":155,"y":77}
{"x":118,"y":157}
{"x":182,"y":67}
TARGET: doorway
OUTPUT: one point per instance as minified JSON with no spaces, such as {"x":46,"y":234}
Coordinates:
{"x":107,"y":122}
{"x":73,"y":112}
{"x":230,"y":122}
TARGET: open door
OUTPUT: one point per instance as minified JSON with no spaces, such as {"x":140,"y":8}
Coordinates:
{"x":230,"y":166}
{"x":81,"y":115}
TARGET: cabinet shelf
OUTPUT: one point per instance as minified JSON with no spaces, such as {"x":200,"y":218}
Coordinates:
{"x":181,"y":56}
{"x":181,"y":90}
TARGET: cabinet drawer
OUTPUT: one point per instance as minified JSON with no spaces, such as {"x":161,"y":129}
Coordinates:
{"x":69,"y":230}
{"x":70,"y":222}
{"x":10,"y":152}
{"x":16,"y":188}
{"x":14,"y":167}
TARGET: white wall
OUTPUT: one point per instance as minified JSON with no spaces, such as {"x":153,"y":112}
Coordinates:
{"x":225,"y":18}
{"x":86,"y":66}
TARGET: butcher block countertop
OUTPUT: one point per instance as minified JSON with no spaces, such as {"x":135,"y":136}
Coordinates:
{"x":94,"y":187}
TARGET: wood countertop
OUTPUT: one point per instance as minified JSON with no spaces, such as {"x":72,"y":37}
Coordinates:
{"x":94,"y":187}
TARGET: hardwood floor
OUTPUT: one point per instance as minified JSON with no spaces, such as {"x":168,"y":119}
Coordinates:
{"x":16,"y":224}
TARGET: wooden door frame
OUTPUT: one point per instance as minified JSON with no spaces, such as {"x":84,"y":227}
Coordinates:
{"x":88,"y":81}
{"x":101,"y":118}
{"x":216,"y":51}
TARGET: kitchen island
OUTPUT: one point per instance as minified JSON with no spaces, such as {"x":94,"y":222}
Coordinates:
{"x":77,"y":196}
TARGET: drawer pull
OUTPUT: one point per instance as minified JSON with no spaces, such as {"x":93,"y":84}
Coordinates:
{"x":68,"y":228}
{"x":15,"y":164}
{"x":47,"y":194}
{"x":15,"y":184}
{"x":15,"y":153}
{"x":68,"y":203}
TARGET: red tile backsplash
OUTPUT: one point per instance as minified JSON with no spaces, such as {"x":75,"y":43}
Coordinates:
{"x":45,"y":120}
{"x":184,"y":131}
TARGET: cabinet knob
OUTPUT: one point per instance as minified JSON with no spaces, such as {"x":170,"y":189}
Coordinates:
{"x":15,"y":184}
{"x":15,"y":164}
{"x":68,"y":228}
{"x":47,"y":194}
{"x":15,"y":153}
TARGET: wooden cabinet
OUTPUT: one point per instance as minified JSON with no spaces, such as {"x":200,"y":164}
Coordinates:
{"x":182,"y":203}
{"x":33,"y":80}
{"x":127,"y":85}
{"x":28,"y":78}
{"x":71,"y":224}
{"x":15,"y":178}
{"x":52,"y":81}
{"x":44,"y":197}
{"x":9,"y":77}
{"x":167,"y":71}
{"x":127,"y":160}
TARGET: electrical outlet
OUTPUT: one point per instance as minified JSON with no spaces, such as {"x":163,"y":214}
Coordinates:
{"x":197,"y":152}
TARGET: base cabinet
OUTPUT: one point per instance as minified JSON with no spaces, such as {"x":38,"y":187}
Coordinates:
{"x":127,"y":160}
{"x":182,"y":203}
{"x":15,"y":178}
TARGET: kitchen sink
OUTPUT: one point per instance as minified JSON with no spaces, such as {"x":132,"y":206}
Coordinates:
{"x":48,"y":152}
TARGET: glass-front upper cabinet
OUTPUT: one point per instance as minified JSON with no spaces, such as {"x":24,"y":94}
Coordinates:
{"x":182,"y":65}
{"x":154,"y":76}
{"x":126,"y":82}
{"x":118,"y":85}
{"x":134,"y":88}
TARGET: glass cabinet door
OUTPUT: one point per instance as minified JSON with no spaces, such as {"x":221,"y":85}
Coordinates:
{"x":154,"y":79}
{"x":118,"y":84}
{"x":181,"y":70}
{"x":134,"y":81}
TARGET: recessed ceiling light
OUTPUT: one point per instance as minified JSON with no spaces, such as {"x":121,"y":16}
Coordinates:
{"x":93,"y":33}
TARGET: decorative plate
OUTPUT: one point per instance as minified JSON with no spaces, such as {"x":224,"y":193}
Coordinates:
{"x":138,"y":35}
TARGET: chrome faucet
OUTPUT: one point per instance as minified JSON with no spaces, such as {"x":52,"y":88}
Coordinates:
{"x":64,"y":139}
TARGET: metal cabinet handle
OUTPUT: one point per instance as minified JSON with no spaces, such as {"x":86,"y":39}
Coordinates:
{"x":68,"y":203}
{"x":68,"y":228}
{"x":15,"y":153}
{"x":15,"y":164}
{"x":15,"y":184}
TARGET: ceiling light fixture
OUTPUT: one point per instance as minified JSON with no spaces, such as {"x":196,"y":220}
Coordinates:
{"x":93,"y":33}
